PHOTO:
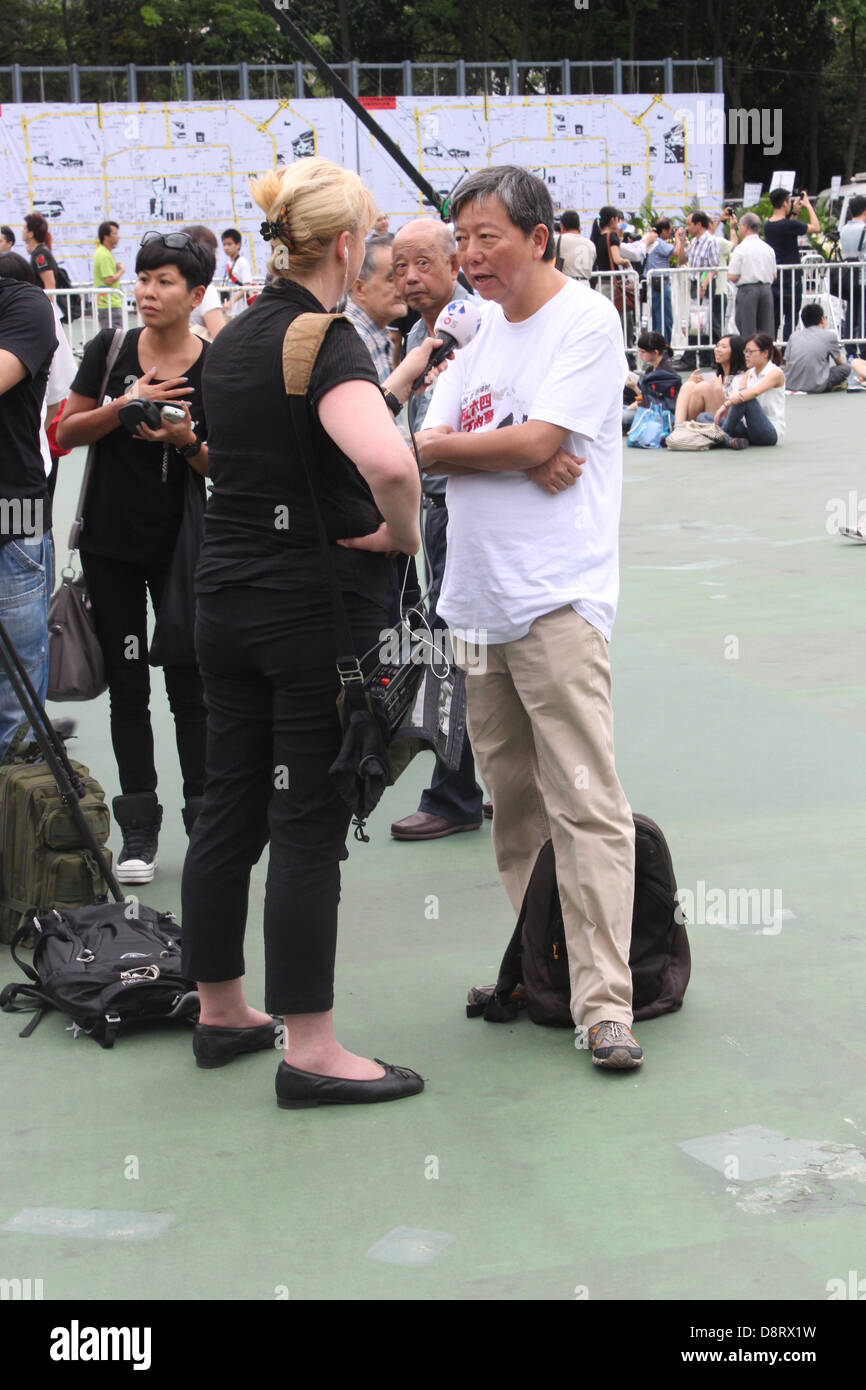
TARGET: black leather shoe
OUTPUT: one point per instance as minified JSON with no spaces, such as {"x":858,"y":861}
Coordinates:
{"x":215,"y":1047}
{"x":300,"y":1090}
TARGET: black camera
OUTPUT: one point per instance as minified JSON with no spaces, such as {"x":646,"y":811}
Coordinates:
{"x":140,"y":412}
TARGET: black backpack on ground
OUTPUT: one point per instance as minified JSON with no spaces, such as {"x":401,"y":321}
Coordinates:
{"x":661,"y":386}
{"x":106,"y":966}
{"x":109,"y":964}
{"x":534,"y":969}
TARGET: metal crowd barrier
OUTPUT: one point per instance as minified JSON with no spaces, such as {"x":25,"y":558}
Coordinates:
{"x":664,"y":301}
{"x":82,"y":317}
{"x":672,"y":305}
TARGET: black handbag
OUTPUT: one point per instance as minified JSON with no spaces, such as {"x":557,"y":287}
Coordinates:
{"x":173,"y":642}
{"x":370,"y":757}
{"x":76,"y":666}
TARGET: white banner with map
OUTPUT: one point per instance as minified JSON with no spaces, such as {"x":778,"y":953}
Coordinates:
{"x":153,"y":164}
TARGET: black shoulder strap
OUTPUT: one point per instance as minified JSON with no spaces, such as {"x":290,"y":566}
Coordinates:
{"x":301,"y":345}
{"x":43,"y":1001}
{"x":110,"y":358}
{"x":860,"y":242}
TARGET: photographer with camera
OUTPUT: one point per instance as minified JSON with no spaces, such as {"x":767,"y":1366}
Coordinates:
{"x":725,"y":227}
{"x":133,"y":513}
{"x":782,"y":231}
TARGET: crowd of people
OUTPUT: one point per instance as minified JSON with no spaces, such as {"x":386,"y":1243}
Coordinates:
{"x":226,"y":296}
{"x":536,"y":403}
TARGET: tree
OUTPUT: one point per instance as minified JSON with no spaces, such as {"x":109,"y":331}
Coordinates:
{"x":849,"y":20}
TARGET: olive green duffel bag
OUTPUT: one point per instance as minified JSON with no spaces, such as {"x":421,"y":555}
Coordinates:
{"x":42,"y":861}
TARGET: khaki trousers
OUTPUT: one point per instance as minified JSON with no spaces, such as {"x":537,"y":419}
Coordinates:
{"x":541,"y":727}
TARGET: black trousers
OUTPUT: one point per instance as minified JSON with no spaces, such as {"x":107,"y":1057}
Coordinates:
{"x":118,"y":594}
{"x":267,"y":662}
{"x":454,"y":795}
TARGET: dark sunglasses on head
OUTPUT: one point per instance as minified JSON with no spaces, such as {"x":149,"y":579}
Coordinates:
{"x":175,"y":241}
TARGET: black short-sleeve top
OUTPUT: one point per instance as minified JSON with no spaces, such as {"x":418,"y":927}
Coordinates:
{"x":27,"y":330}
{"x":131,"y":511}
{"x":42,"y":259}
{"x":605,"y":242}
{"x":259,"y":527}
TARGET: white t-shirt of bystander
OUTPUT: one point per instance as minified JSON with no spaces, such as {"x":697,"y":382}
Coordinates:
{"x":210,"y":301}
{"x":772,"y":402}
{"x":61,"y":375}
{"x":516,"y":552}
{"x":237,"y":274}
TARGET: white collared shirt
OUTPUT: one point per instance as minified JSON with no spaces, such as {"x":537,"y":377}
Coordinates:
{"x":753,"y":261}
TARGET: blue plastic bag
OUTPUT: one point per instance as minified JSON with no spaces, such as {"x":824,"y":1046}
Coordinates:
{"x":650,"y":427}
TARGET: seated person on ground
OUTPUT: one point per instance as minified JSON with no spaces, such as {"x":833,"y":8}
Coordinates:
{"x":653,"y":355}
{"x":755,"y":412}
{"x":705,"y":392}
{"x":814,"y":358}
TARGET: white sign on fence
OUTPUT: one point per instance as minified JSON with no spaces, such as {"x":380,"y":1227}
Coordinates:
{"x":783,"y":178}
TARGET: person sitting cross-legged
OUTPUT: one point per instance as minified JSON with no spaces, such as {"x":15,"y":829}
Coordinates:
{"x":745,"y":418}
{"x":815,"y":360}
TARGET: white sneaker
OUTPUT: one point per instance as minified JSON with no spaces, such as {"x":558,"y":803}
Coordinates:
{"x":139,"y":816}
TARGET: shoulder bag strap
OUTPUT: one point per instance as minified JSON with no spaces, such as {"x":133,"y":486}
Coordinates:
{"x":301,"y":344}
{"x":860,"y":242}
{"x":113,"y":354}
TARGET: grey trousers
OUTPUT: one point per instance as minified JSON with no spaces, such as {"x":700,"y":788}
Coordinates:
{"x":753,"y":310}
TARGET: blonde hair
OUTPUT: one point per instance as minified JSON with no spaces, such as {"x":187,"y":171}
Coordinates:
{"x":320,"y":200}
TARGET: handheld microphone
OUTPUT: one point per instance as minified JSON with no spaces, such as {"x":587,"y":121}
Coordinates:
{"x":456,"y":325}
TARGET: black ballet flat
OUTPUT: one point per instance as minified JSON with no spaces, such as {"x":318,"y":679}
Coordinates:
{"x":300,"y":1090}
{"x":216,"y":1047}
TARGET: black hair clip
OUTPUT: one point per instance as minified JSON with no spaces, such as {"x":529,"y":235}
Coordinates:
{"x":279,"y":230}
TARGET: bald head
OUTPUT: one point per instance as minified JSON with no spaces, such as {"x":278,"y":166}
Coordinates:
{"x":425,"y":266}
{"x":427,"y":229}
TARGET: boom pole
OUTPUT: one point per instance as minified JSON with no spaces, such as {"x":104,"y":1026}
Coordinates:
{"x":326,"y":72}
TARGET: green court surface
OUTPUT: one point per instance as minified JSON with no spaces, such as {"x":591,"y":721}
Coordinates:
{"x":730,"y":1166}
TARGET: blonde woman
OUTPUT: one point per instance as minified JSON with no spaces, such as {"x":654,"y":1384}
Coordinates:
{"x":266,"y":643}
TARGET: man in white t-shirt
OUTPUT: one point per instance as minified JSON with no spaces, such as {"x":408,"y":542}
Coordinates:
{"x":526,"y":425}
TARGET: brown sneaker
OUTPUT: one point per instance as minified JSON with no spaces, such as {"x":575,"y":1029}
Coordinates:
{"x":613,"y":1045}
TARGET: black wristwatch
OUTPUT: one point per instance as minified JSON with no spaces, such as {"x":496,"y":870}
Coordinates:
{"x":392,"y":403}
{"x":189,"y":451}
